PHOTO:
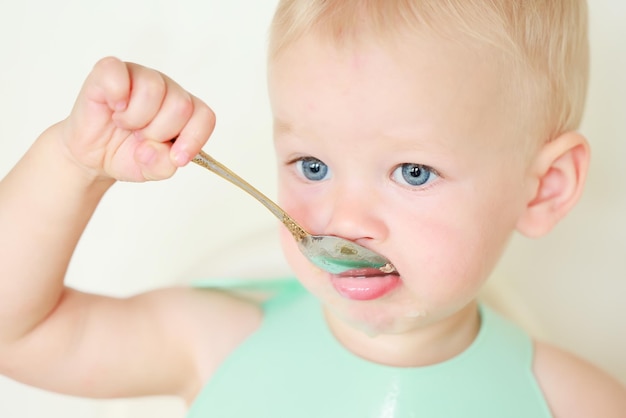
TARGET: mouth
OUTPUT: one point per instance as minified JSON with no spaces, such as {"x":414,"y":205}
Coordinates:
{"x":365,"y":284}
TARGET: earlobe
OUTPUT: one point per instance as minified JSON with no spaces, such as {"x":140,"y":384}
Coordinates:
{"x":558,"y":173}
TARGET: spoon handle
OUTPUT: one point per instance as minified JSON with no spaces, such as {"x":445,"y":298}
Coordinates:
{"x":205,"y":160}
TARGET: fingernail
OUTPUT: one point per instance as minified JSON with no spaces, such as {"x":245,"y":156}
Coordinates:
{"x":181,"y":158}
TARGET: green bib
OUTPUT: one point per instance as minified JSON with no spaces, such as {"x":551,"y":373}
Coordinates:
{"x":292,"y":366}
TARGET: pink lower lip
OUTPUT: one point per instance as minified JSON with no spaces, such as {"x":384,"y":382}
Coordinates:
{"x":365,"y":288}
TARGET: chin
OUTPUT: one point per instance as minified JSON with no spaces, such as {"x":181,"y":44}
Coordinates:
{"x":395,"y":314}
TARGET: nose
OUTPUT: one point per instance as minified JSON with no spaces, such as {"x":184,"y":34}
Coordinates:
{"x":355,"y":213}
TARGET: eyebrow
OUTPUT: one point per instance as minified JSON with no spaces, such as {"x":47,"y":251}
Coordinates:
{"x":282,"y":127}
{"x":405,"y":137}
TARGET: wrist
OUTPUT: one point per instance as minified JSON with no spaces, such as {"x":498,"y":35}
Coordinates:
{"x":56,"y":155}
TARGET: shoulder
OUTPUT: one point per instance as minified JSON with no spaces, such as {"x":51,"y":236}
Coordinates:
{"x":574,"y":387}
{"x":210,"y":323}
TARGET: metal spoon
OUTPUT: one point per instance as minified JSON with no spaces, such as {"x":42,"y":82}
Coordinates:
{"x":333,"y":254}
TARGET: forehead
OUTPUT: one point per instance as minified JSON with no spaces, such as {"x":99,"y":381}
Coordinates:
{"x":431,"y":85}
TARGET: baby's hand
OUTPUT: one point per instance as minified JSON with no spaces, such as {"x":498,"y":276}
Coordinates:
{"x":124,"y":118}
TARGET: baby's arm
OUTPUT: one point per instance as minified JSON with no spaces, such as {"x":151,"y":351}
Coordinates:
{"x":64,"y":340}
{"x":575,"y":388}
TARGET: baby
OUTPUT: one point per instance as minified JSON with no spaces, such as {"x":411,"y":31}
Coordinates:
{"x":427,"y":131}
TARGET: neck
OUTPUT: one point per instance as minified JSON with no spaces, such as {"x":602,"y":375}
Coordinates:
{"x":430,"y":344}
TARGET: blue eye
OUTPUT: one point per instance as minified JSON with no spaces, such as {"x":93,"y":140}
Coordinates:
{"x":413,"y":174}
{"x":312,"y":169}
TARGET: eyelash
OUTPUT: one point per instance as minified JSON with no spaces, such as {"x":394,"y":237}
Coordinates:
{"x":401,"y":170}
{"x":321,"y":166}
{"x":429,"y":173}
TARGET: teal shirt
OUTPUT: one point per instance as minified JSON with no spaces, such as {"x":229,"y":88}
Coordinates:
{"x":292,"y":366}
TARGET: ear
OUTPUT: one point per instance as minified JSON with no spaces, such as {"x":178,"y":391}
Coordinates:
{"x":558,"y":175}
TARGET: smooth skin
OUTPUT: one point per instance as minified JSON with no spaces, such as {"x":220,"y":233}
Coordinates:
{"x":163,"y":342}
{"x":363,"y":113}
{"x":170,"y":341}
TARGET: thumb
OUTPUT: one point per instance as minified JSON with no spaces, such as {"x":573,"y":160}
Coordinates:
{"x":153,"y":159}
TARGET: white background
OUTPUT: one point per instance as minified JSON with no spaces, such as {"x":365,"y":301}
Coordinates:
{"x":569,"y":287}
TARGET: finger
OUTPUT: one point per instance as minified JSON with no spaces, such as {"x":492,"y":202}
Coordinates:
{"x":148,"y":90}
{"x":195,"y":133}
{"x":176,"y":110}
{"x":108,"y":83}
{"x":154,"y":161}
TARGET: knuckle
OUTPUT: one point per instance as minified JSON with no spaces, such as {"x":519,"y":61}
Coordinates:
{"x":106,"y":62}
{"x":207,"y":114}
{"x":154,"y":85}
{"x":184,"y":107}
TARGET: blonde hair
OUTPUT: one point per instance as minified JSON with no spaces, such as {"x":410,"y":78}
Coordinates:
{"x":545,"y":41}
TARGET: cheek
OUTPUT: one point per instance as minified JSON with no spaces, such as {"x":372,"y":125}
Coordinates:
{"x":290,"y":249}
{"x":296,"y":260}
{"x":453,"y":249}
{"x":448,"y":258}
{"x":298,"y":205}
{"x":311,"y":277}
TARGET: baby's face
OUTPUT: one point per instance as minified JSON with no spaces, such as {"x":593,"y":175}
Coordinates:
{"x":411,"y":151}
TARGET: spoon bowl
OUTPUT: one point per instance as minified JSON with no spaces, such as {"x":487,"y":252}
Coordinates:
{"x":331,"y":253}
